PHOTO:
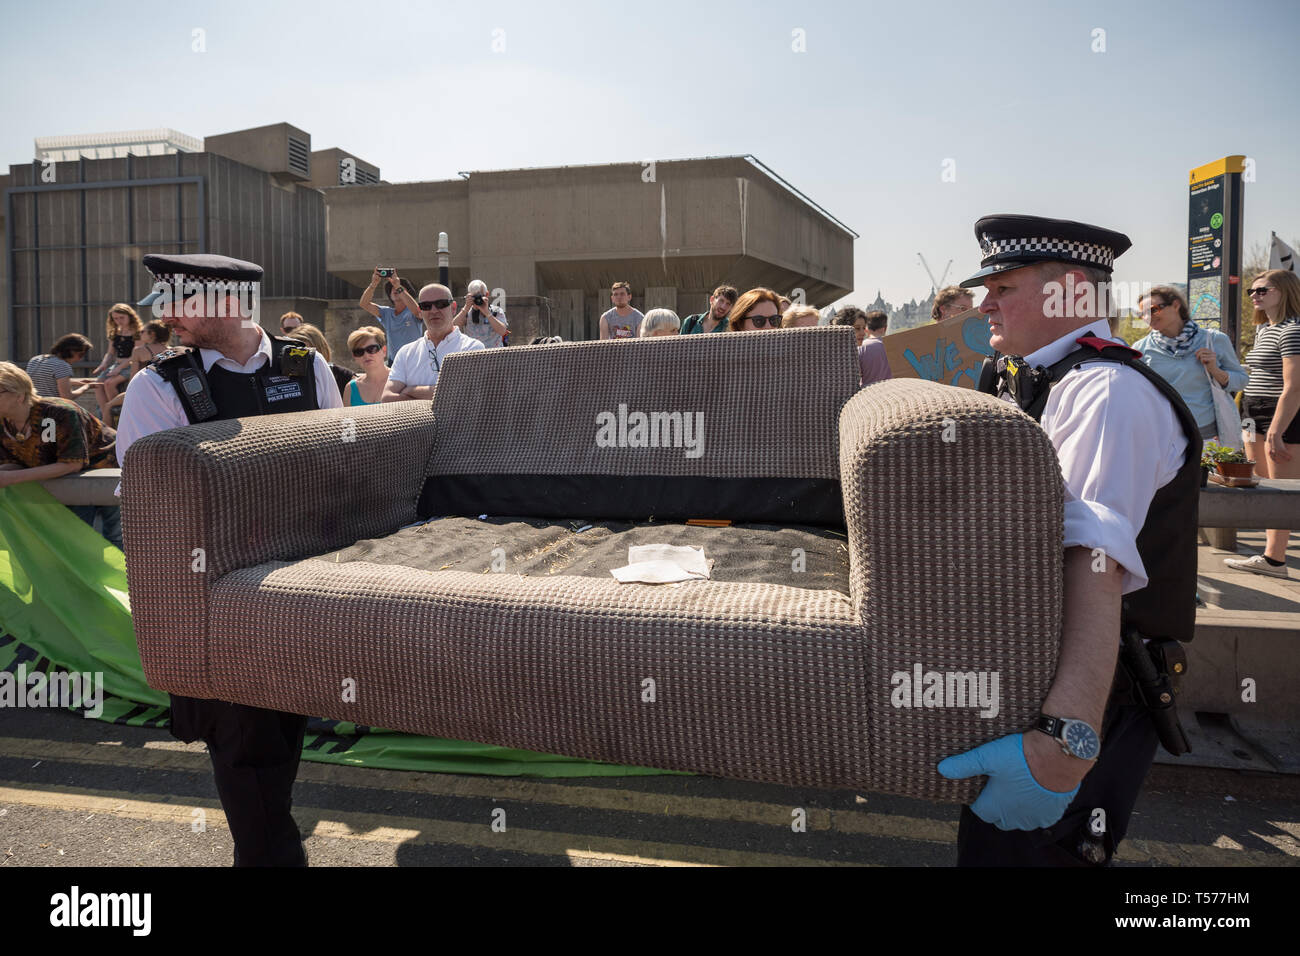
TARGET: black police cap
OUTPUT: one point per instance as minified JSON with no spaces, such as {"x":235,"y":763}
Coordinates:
{"x":1009,"y":242}
{"x":203,"y":267}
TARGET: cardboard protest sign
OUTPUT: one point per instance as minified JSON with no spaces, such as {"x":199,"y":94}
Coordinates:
{"x":950,"y":352}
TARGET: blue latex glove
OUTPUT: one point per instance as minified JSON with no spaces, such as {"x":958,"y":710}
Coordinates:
{"x":1012,"y":799}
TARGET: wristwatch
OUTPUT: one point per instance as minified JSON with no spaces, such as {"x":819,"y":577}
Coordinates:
{"x":1076,"y":737}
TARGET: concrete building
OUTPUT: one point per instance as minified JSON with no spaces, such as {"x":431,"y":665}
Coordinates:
{"x":75,"y":231}
{"x":552,"y":241}
{"x":555,"y":240}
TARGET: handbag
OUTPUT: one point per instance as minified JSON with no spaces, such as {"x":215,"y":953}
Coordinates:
{"x":1227,"y":418}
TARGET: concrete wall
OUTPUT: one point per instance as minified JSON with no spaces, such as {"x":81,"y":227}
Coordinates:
{"x":263,"y":147}
{"x":803,"y":245}
{"x":550,"y":236}
{"x":326,"y":168}
{"x":396,"y":226}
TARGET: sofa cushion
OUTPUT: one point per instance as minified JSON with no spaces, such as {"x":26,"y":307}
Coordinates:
{"x":742,"y":426}
{"x":796,"y":557}
{"x":749,"y":681}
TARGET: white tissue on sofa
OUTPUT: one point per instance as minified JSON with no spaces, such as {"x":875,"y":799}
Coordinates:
{"x":663,"y":564}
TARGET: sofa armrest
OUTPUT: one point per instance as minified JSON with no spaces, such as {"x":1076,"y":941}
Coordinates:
{"x":955,"y":513}
{"x":202,"y":501}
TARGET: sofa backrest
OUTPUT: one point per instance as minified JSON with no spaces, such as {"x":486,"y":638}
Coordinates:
{"x":739,"y":425}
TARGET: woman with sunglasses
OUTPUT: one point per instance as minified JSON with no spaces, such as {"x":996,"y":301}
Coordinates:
{"x":756,"y":309}
{"x":369,"y":347}
{"x":1182,"y":352}
{"x":1272,"y":401}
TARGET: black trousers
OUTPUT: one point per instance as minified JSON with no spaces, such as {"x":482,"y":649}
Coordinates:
{"x":1128,"y":746}
{"x":255,"y":754}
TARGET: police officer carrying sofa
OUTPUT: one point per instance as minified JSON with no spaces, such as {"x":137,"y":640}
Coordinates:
{"x":1061,"y":793}
{"x":229,"y":368}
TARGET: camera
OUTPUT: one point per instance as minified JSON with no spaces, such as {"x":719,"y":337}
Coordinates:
{"x":385,"y":273}
{"x":480,"y":299}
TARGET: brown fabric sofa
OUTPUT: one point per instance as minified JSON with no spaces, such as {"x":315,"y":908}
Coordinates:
{"x":907,"y":524}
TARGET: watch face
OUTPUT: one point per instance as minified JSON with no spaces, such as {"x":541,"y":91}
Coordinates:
{"x":1082,"y":740}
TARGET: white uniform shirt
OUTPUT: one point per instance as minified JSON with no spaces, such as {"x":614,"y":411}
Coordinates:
{"x":1118,"y":441}
{"x":151,"y":404}
{"x":419,"y":363}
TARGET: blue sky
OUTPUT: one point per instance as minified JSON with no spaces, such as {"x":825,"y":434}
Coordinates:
{"x":1013,"y":93}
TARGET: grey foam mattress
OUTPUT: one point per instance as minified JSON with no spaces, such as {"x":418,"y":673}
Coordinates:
{"x":800,"y":557}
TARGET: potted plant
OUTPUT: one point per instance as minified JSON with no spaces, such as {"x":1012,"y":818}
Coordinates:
{"x":1228,"y":462}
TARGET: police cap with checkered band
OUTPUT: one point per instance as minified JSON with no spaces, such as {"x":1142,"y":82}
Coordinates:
{"x":219,"y":271}
{"x":1009,"y":242}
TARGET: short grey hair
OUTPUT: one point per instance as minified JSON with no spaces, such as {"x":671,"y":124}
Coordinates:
{"x":658,"y":319}
{"x":1053,"y":270}
{"x":477,"y":287}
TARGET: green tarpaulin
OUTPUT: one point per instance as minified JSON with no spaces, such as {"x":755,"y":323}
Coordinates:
{"x":64,"y":607}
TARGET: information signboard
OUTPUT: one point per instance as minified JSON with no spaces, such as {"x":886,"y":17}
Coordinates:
{"x":1214,"y":243}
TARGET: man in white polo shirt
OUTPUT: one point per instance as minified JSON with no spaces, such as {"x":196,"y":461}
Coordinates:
{"x":417,"y":364}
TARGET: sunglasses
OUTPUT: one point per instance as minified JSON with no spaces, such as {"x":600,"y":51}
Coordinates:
{"x":1262,"y":290}
{"x":762,"y":320}
{"x":366,"y":350}
{"x":435,"y":304}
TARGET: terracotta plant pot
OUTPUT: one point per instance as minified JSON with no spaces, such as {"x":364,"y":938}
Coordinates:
{"x":1230,"y":469}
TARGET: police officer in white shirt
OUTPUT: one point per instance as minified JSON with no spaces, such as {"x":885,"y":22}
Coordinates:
{"x":1062,"y":792}
{"x":225,"y":342}
{"x":228,"y":368}
{"x":418,"y":364}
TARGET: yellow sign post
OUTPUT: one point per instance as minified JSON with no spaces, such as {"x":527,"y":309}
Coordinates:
{"x":1214,"y":243}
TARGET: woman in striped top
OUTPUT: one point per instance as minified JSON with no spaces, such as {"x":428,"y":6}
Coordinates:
{"x":1272,"y":400}
{"x":51,"y":373}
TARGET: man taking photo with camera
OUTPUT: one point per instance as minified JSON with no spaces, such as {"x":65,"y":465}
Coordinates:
{"x":481,"y":320}
{"x":401,"y":320}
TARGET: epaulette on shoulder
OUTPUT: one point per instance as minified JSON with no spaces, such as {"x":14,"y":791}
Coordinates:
{"x":171,"y":355}
{"x":1102,"y":345}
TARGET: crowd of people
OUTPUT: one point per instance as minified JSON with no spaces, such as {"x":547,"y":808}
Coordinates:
{"x":400,"y":358}
{"x":756,"y":310}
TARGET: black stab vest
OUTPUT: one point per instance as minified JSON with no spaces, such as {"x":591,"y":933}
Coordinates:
{"x":267,"y":391}
{"x":1166,"y":607}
